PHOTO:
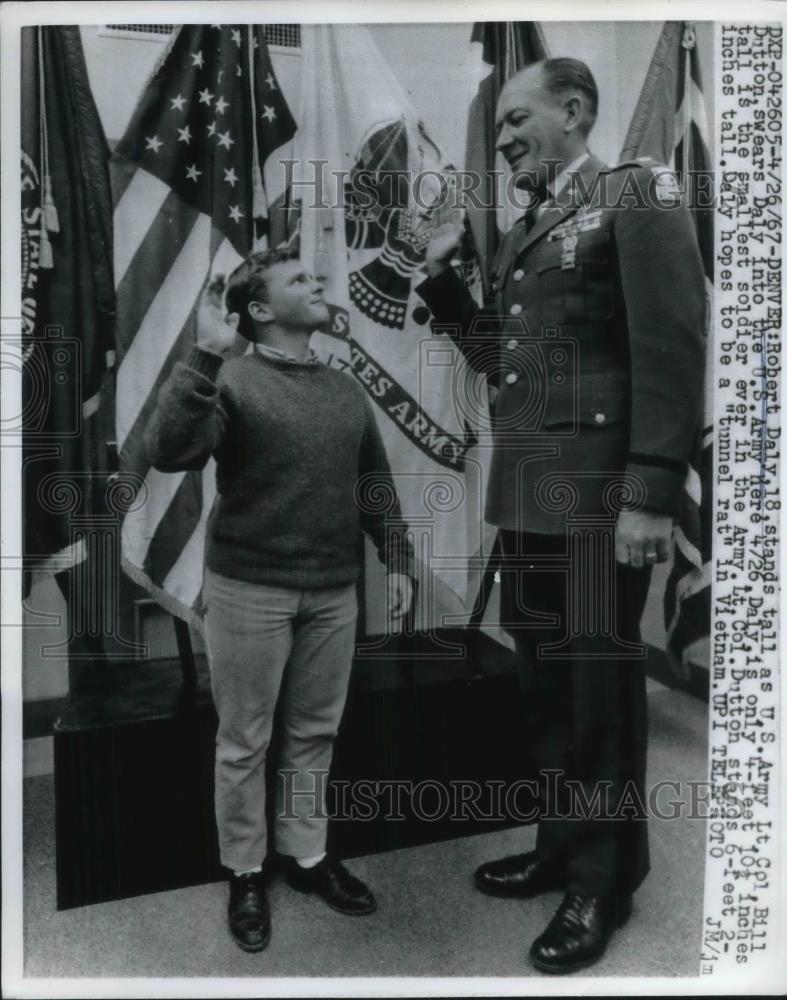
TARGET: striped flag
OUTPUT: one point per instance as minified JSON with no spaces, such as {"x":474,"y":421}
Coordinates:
{"x":194,"y":187}
{"x":669,"y":124}
{"x":500,"y":49}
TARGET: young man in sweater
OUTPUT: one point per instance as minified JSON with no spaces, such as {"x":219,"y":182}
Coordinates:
{"x":296,"y":448}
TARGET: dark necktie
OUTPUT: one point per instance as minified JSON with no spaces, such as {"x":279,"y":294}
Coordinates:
{"x":531,"y":216}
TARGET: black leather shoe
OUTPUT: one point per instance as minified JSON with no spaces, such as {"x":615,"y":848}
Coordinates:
{"x":578,"y":934}
{"x":520,"y":876}
{"x":249,"y":917}
{"x":332,"y":882}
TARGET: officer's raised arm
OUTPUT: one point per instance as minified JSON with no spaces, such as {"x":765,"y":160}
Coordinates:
{"x":442,"y":247}
{"x":454,"y":310}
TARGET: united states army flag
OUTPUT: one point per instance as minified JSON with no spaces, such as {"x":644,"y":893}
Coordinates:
{"x":366,"y":181}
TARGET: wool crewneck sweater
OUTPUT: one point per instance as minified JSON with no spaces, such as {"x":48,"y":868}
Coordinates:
{"x":300,"y":468}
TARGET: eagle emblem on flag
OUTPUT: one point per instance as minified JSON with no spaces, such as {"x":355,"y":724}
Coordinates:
{"x":379,"y":214}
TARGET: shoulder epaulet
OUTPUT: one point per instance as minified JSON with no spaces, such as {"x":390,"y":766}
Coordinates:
{"x":664,"y":180}
{"x":642,"y":162}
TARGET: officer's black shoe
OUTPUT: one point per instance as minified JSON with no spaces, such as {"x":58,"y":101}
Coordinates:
{"x":520,"y":876}
{"x":331,"y":881}
{"x":249,"y":917}
{"x":578,"y":934}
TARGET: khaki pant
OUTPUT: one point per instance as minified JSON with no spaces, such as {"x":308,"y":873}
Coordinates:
{"x":269,"y":645}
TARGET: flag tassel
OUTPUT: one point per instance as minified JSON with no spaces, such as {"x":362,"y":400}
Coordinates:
{"x":259,"y":201}
{"x":259,"y":204}
{"x":51,"y":220}
{"x":45,"y":258}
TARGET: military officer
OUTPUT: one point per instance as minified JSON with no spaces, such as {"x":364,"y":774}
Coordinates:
{"x":593,"y":334}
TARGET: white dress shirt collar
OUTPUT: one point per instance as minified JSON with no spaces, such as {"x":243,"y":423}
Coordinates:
{"x":276,"y":355}
{"x":560,"y":180}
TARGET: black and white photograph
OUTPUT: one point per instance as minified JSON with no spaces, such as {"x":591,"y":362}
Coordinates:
{"x":391,"y":499}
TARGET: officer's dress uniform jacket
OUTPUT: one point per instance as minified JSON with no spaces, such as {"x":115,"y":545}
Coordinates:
{"x":593,"y":334}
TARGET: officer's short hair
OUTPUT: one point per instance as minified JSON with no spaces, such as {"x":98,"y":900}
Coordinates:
{"x":247,"y":284}
{"x":563,"y":75}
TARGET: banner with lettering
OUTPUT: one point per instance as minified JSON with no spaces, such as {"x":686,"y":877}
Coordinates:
{"x":367,"y":180}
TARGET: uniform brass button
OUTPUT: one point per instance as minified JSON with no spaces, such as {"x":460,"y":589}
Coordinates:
{"x":511,"y":378}
{"x":516,"y":309}
{"x":518,"y":274}
{"x":511,"y":344}
{"x":600,"y":418}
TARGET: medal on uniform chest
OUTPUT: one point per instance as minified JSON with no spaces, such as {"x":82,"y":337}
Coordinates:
{"x":569,"y":232}
{"x":568,"y":256}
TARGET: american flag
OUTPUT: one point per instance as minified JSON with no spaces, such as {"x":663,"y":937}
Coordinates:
{"x":191,"y":200}
{"x":670,"y":124}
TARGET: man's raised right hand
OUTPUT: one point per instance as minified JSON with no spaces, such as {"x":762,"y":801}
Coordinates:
{"x":442,"y":247}
{"x":215,"y":332}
